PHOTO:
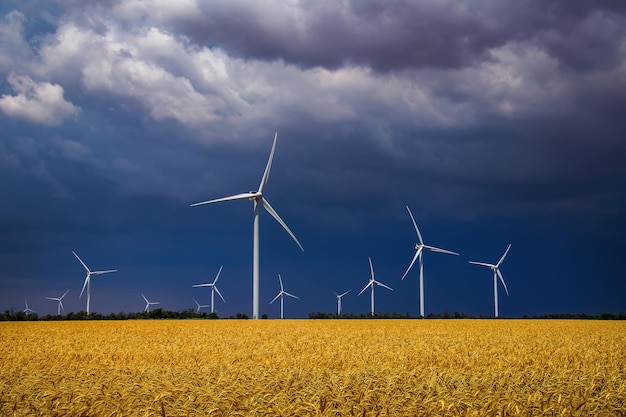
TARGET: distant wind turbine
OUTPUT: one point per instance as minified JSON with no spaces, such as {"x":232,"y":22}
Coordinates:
{"x":213,"y":289}
{"x":200,"y":305}
{"x":281,"y":295}
{"x":372,"y":283}
{"x":28,"y":310}
{"x":60,"y":305}
{"x":496,"y":274}
{"x":419,"y":255}
{"x":149,"y":303}
{"x":339,"y":297}
{"x":88,"y":279}
{"x":257,"y":197}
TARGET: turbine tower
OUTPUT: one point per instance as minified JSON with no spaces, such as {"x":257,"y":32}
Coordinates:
{"x":339,"y":297}
{"x":419,"y":255}
{"x":88,"y":279}
{"x":257,"y":198}
{"x":149,"y":303}
{"x":28,"y":310}
{"x":496,"y":274}
{"x":213,"y":288}
{"x":372,"y":283}
{"x":282,"y":294}
{"x":60,"y":306}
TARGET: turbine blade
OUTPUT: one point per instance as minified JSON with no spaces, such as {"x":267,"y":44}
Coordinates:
{"x":503,"y":283}
{"x":81,"y":261}
{"x":482,"y":264}
{"x":219,"y":293}
{"x":241,"y":196}
{"x":50,"y":298}
{"x":419,"y":235}
{"x":64,"y":295}
{"x":202,"y":285}
{"x":144,"y":297}
{"x":504,"y":256}
{"x":84,"y":285}
{"x":434,"y":249}
{"x":275,"y":215}
{"x":218,"y":274}
{"x":275,"y":298}
{"x":290,"y":295}
{"x":197,"y":303}
{"x":344,"y":293}
{"x":417,"y":254}
{"x":281,"y":282}
{"x":371,"y":268}
{"x":103,"y":272}
{"x":266,"y":174}
{"x":364,"y":288}
{"x":383,"y":285}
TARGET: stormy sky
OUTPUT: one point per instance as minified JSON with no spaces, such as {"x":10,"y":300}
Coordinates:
{"x":495,"y":122}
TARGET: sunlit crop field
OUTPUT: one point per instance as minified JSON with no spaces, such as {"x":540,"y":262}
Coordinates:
{"x":304,"y":368}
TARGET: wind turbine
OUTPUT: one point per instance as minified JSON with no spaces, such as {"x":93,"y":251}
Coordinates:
{"x":213,"y":288}
{"x":371,"y":284}
{"x":282,"y":294}
{"x":199,"y":305}
{"x":496,"y":273}
{"x":419,"y":255}
{"x":27,"y":310}
{"x":149,"y":303}
{"x":88,"y":279}
{"x":339,"y":296}
{"x":257,"y":197}
{"x":60,"y":306}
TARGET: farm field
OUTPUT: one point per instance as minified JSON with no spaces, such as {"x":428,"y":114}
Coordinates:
{"x":313,"y":368}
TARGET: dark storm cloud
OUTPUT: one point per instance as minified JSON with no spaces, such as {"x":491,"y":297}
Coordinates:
{"x":398,"y":34}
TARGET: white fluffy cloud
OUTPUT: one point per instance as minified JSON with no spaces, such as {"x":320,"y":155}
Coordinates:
{"x":41,"y":102}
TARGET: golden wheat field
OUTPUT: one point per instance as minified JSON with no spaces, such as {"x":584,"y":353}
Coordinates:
{"x":313,"y":368}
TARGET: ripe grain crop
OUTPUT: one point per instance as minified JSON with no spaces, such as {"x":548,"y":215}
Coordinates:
{"x":313,"y":368}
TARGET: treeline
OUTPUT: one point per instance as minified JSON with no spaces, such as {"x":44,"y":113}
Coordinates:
{"x":457,"y":315}
{"x":190,"y":314}
{"x":10,"y":315}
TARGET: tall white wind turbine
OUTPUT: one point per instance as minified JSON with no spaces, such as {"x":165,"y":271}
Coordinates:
{"x":257,"y":197}
{"x":28,"y":310}
{"x":149,"y":303}
{"x":372,"y":282}
{"x":496,"y":274}
{"x":281,"y":295}
{"x":213,"y":289}
{"x":60,"y":305}
{"x":419,"y":253}
{"x":339,"y":297}
{"x":88,"y":279}
{"x":200,"y":305}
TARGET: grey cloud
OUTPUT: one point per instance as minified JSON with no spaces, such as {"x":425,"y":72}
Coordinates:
{"x":15,"y":52}
{"x":397,"y":34}
{"x":39,"y":102}
{"x":384,"y":36}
